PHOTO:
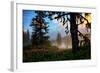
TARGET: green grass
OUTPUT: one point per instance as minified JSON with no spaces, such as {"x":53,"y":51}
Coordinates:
{"x":56,"y":55}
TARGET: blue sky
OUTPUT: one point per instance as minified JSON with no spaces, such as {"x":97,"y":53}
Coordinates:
{"x":54,"y":26}
{"x":27,"y":18}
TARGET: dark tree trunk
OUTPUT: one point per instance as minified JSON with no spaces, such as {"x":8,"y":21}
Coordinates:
{"x":74,"y":32}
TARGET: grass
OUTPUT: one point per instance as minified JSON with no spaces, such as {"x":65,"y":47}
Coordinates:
{"x":37,"y":55}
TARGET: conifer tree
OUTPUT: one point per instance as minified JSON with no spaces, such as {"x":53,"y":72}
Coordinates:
{"x":59,"y":39}
{"x":39,"y":30}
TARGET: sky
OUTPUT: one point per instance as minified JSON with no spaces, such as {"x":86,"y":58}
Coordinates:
{"x":54,"y":26}
{"x":27,"y":17}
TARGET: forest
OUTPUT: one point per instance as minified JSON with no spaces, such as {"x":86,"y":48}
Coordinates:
{"x":56,"y":36}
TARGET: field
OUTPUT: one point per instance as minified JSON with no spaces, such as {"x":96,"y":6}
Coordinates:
{"x":37,"y":55}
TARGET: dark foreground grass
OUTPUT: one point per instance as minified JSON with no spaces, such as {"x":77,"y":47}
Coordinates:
{"x":55,"y":55}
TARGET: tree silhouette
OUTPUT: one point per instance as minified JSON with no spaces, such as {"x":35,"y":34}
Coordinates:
{"x":26,"y":38}
{"x":74,"y":32}
{"x":75,"y":19}
{"x":39,"y":30}
{"x":59,"y":39}
{"x":28,"y":35}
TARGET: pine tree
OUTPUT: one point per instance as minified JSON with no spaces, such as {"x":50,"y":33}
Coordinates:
{"x":65,"y":18}
{"x":40,"y":30}
{"x":26,"y":38}
{"x":59,"y":39}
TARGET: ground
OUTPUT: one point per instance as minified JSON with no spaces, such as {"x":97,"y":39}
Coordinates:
{"x":37,"y":55}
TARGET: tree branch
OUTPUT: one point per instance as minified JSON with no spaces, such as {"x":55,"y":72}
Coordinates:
{"x":83,"y":36}
{"x":84,"y":18}
{"x":59,"y":16}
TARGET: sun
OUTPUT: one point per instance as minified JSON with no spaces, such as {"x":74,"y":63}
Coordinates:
{"x":88,"y":17}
